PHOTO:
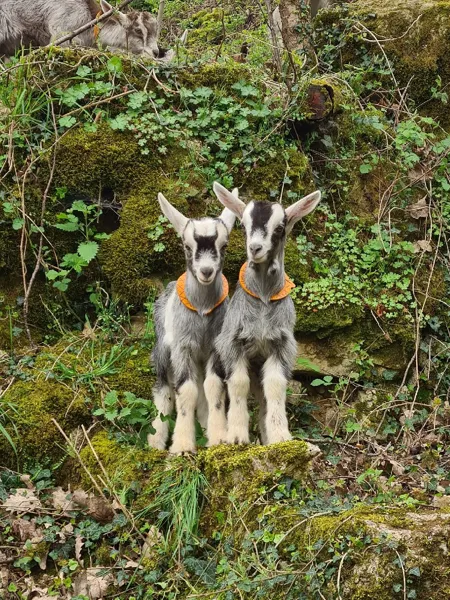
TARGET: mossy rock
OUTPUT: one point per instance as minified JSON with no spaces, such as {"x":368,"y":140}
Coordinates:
{"x":34,"y":405}
{"x":418,"y":43}
{"x":373,"y":539}
{"x":124,"y":465}
{"x":243,"y":471}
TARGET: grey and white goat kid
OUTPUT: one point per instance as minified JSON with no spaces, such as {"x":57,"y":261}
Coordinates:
{"x":256,"y":347}
{"x":188,"y":317}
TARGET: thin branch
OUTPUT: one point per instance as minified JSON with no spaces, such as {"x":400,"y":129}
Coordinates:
{"x":160,"y":16}
{"x":103,"y":17}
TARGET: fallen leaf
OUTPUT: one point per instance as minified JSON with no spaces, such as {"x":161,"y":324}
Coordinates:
{"x":62,"y":500}
{"x":89,"y":583}
{"x":78,"y":547}
{"x":422,"y":246}
{"x":98,"y":508}
{"x":152,"y":538}
{"x":22,"y":501}
{"x":419,"y":210}
{"x":26,"y":530}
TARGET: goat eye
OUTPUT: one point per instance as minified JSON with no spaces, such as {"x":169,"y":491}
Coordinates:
{"x":279,"y":229}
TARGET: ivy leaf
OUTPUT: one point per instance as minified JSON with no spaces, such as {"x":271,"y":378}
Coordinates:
{"x":88,"y":250}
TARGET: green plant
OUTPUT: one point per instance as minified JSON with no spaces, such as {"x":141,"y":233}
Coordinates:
{"x":132,"y":416}
{"x":80,"y":218}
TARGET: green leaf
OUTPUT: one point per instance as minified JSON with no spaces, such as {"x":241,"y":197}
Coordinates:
{"x":62,"y":285}
{"x":365,"y":168}
{"x":119,"y":123}
{"x":88,"y":250}
{"x":83,"y":71}
{"x":317,"y":382}
{"x":115,"y":64}
{"x":414,"y":571}
{"x":17,"y":224}
{"x":70,"y":226}
{"x":305,"y":363}
{"x":67,"y":122}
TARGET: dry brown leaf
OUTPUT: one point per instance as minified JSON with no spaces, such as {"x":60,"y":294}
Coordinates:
{"x":420,"y":173}
{"x":153,"y":537}
{"x":422,"y":246}
{"x":419,"y":210}
{"x":62,"y":500}
{"x":26,"y":530}
{"x":98,"y":508}
{"x":78,"y":547}
{"x":89,"y":583}
{"x":22,"y":501}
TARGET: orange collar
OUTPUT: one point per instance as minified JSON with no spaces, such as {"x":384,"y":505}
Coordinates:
{"x":285,"y":290}
{"x":181,"y":284}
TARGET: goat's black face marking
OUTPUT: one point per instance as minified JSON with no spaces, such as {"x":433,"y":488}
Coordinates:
{"x":205,"y":243}
{"x":260,"y":216}
{"x":265,"y":230}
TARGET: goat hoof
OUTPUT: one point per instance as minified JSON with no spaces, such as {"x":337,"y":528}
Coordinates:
{"x":156,"y":442}
{"x":238,"y":439}
{"x":182,"y":451}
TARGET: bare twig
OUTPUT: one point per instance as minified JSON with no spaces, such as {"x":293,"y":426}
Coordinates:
{"x":103,"y":17}
{"x":160,"y":16}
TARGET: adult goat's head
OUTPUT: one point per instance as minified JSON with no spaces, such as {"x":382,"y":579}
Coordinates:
{"x":266,"y":224}
{"x":135,"y":32}
{"x":204,"y":240}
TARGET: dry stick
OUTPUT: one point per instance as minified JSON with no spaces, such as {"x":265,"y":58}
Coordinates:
{"x":28,"y":288}
{"x":99,"y":19}
{"x":160,"y":17}
{"x":273,"y":35}
{"x":72,"y":447}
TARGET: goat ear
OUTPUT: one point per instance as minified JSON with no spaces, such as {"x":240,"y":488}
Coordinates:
{"x":105,"y":6}
{"x":120,"y":16}
{"x":178,"y":220}
{"x":301,"y":208}
{"x":228,"y":218}
{"x":229,"y":200}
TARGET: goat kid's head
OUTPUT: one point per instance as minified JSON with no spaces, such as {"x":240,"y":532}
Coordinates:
{"x":204,"y":240}
{"x":266,"y":224}
{"x":136,"y":32}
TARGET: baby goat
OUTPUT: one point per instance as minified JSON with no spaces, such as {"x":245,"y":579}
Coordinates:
{"x":188,"y":317}
{"x":256,"y":346}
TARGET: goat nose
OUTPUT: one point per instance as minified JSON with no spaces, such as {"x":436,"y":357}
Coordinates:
{"x":156,"y":53}
{"x":206,"y":272}
{"x":255,"y":248}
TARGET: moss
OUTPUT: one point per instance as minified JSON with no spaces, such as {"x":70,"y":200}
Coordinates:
{"x":243,"y":471}
{"x":134,"y":375}
{"x":35,"y":435}
{"x":219,"y":75}
{"x":123,"y":464}
{"x":418,"y":46}
{"x":265,"y":180}
{"x":369,"y":539}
